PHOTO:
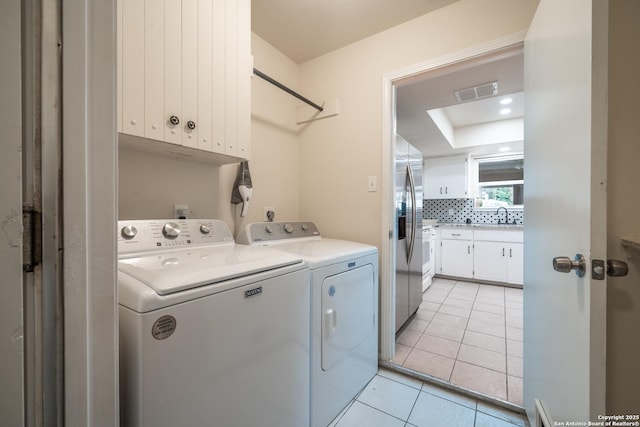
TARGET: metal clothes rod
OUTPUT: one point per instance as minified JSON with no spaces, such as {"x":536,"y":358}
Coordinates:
{"x":286,"y":89}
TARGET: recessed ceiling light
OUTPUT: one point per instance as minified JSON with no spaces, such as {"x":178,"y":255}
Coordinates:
{"x":505,"y":111}
{"x":506,"y":101}
{"x":504,"y":149}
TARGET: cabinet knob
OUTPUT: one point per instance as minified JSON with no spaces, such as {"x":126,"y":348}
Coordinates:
{"x":191,"y":125}
{"x":174,"y":120}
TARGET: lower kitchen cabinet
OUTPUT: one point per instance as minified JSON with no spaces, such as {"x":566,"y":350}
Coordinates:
{"x":494,"y":255}
{"x":515,"y":264}
{"x":498,"y":262}
{"x":456,"y":258}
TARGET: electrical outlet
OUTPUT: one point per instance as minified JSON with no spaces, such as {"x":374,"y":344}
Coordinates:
{"x":269,"y":210}
{"x":181,"y":211}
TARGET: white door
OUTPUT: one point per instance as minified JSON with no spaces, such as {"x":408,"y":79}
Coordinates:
{"x":565,"y":138}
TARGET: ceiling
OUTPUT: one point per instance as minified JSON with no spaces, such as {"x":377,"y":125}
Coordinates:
{"x":305,"y":29}
{"x":436,"y":91}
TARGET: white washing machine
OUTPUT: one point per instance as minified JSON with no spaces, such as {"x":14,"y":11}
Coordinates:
{"x":344,"y":310}
{"x":211,"y":333}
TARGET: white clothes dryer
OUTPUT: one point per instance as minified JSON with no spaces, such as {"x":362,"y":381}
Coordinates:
{"x":211,"y":333}
{"x":344,"y":310}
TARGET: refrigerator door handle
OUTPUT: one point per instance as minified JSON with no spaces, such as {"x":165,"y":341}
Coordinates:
{"x":414,"y":212}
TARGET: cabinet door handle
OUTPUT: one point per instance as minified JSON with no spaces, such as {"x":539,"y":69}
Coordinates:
{"x":174,"y":120}
{"x":469,"y":249}
{"x":440,"y":190}
{"x":454,"y":234}
{"x":446,"y":190}
{"x":191,"y":124}
{"x":502,"y":251}
{"x":510,"y":253}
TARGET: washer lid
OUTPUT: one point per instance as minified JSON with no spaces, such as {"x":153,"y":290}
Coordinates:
{"x":171,"y":272}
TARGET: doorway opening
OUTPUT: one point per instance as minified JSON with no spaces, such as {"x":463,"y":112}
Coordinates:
{"x":466,"y":118}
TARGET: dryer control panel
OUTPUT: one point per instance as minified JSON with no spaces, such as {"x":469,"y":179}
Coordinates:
{"x":162,"y":234}
{"x":272,"y":231}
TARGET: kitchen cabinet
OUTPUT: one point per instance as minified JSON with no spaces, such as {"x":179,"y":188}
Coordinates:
{"x":446,"y":178}
{"x":456,"y":252}
{"x":498,"y":256}
{"x":493,"y":255}
{"x":184,"y":69}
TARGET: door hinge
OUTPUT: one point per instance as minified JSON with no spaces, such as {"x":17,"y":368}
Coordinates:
{"x":31,"y":238}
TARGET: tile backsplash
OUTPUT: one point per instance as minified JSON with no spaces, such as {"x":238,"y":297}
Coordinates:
{"x":463,"y":209}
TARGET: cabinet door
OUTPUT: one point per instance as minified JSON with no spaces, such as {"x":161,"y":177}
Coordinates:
{"x":445,"y":178}
{"x":189,"y":51}
{"x":244,"y":71}
{"x":515,"y":263}
{"x":133,"y":17}
{"x":231,"y":60}
{"x":455,"y":179}
{"x":205,"y":76}
{"x":457,"y":258}
{"x":490,"y":261}
{"x":432,"y":182}
{"x":219,"y":34}
{"x":173,"y":70}
{"x":154,"y":114}
{"x":437,"y":260}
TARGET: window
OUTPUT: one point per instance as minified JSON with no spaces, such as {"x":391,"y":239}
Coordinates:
{"x":500,"y":181}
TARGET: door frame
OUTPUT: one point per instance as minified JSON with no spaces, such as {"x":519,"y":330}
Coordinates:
{"x":90,"y":158}
{"x":387,"y":252}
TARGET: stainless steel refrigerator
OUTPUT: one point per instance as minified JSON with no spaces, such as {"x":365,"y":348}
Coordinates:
{"x":408,"y":232}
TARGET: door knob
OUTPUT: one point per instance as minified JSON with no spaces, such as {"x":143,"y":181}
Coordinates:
{"x":564,"y":264}
{"x":617,"y":268}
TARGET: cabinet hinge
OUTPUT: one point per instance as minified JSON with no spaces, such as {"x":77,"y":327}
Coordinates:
{"x":31,"y":238}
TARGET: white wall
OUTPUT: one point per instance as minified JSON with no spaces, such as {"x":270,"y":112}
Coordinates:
{"x":338,"y":154}
{"x":623,"y":294}
{"x":274,"y":142}
{"x":150,"y":184}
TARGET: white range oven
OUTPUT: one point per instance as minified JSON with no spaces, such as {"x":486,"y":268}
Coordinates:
{"x":428,"y":253}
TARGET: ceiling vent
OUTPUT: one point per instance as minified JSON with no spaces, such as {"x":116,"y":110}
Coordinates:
{"x":476,"y":92}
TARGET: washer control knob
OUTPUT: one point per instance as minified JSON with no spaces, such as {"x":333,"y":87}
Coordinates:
{"x":305,"y":227}
{"x":288,"y":228}
{"x":268,"y":229}
{"x":128,"y":232}
{"x":205,"y":229}
{"x":171,"y":230}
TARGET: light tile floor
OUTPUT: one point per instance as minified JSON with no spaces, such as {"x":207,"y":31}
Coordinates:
{"x":391,"y":399}
{"x":468,"y":334}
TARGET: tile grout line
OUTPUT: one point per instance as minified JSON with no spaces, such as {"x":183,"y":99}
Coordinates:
{"x":455,"y":362}
{"x":506,"y":355}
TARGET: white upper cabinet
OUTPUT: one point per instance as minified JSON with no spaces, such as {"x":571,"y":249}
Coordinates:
{"x":446,"y":178}
{"x":185,"y":73}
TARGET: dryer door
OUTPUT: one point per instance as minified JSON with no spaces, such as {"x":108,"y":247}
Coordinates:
{"x":348,"y":318}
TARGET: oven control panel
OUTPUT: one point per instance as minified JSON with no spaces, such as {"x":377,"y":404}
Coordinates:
{"x":136,"y":236}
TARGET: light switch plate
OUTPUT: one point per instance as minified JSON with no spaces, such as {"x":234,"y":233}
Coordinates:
{"x":372,"y":185}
